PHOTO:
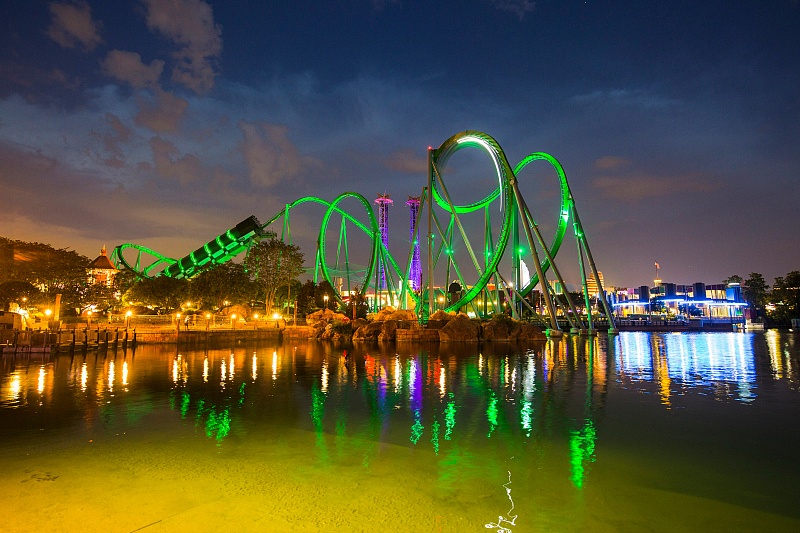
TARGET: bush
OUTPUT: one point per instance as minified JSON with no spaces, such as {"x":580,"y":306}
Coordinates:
{"x":342,"y":328}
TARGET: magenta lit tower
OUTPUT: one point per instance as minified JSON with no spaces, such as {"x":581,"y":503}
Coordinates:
{"x":415,"y":277}
{"x":383,"y":202}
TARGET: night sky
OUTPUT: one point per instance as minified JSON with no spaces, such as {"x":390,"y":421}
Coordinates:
{"x":166,"y":122}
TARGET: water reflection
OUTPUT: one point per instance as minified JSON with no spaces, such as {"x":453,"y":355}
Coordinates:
{"x":431,"y":398}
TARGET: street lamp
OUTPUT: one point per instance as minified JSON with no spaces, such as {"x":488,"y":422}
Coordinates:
{"x":277,"y":316}
{"x":128,"y":319}
{"x":326,"y":300}
{"x":233,"y":321}
{"x":208,"y":316}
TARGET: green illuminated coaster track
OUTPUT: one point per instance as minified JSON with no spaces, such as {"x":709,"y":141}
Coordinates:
{"x":218,"y":250}
{"x":473,"y":260}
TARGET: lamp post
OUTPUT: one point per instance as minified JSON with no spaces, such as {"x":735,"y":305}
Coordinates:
{"x":208,"y":316}
{"x":277,"y":316}
{"x":255,"y":317}
{"x":88,"y":319}
{"x":233,"y":321}
{"x":128,"y":319}
{"x":326,"y":300}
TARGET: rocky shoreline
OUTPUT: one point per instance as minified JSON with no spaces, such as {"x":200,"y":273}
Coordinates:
{"x":391,"y":324}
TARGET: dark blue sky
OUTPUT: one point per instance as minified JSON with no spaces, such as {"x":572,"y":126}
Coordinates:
{"x":166,"y":122}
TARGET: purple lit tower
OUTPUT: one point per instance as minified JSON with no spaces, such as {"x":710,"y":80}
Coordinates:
{"x":416,"y":270}
{"x":383,"y":202}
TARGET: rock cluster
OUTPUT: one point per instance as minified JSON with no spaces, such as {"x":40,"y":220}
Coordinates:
{"x":451,"y":327}
{"x":324,"y":325}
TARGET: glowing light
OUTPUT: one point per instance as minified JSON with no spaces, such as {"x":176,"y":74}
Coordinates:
{"x":125,"y":373}
{"x":274,"y":365}
{"x":84,"y":377}
{"x":254,"y":367}
{"x":205,"y":370}
{"x":15,"y":387}
{"x":111,"y":376}
{"x":232,"y":367}
{"x":324,"y":376}
{"x":508,"y":518}
{"x":40,"y":385}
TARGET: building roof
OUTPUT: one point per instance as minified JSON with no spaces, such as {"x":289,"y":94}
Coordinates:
{"x":102,"y":262}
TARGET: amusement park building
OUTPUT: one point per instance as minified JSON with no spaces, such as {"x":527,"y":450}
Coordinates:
{"x":697,"y":299}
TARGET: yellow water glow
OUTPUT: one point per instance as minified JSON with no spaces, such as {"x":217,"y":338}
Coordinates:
{"x":254,"y":368}
{"x":40,"y":384}
{"x":111,"y":376}
{"x":84,"y":376}
{"x":205,"y":370}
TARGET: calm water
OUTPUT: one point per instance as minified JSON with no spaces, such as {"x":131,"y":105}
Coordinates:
{"x":640,"y":432}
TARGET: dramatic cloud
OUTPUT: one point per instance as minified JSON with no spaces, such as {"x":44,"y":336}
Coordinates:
{"x":72,"y":26}
{"x":270,"y":155}
{"x":635,"y":188}
{"x":120,"y":135}
{"x":185,"y":169}
{"x":128,"y":67}
{"x":190,"y":24}
{"x":520,"y":8}
{"x":163,"y":116}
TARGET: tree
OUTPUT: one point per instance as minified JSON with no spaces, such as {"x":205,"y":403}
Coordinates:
{"x":287,"y":294}
{"x":755,"y":292}
{"x":786,"y":296}
{"x":733,"y":279}
{"x":273,"y":264}
{"x":325,"y":289}
{"x":53,"y":270}
{"x":306,"y":298}
{"x":219,"y":283}
{"x":15,"y":291}
{"x":359,"y":302}
{"x":161,"y":293}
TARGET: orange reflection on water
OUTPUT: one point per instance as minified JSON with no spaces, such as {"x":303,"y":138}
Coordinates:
{"x":40,"y":384}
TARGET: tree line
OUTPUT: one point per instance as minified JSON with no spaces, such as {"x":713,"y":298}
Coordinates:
{"x":266,"y":279}
{"x":779,"y":302}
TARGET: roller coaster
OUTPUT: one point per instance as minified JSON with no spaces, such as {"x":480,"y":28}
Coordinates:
{"x":481,"y":288}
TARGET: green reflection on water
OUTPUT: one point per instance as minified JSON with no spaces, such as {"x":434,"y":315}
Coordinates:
{"x":581,"y":448}
{"x":449,"y":417}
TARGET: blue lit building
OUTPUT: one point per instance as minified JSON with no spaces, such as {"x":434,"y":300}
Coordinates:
{"x":697,"y":300}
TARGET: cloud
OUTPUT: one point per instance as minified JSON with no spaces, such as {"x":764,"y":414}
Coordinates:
{"x":72,"y":26}
{"x":270,"y":156}
{"x":129,"y":67}
{"x":163,"y":116}
{"x":635,"y":188}
{"x":190,"y":24}
{"x":120,"y":134}
{"x":406,"y":161}
{"x":611,"y":162}
{"x":624,"y":97}
{"x":520,"y":8}
{"x":185,"y":169}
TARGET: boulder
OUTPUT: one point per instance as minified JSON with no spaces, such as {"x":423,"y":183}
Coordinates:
{"x":497,"y":330}
{"x":388,"y":329}
{"x":324,"y":316}
{"x":460,"y":329}
{"x":529,"y":332}
{"x":385,"y":312}
{"x":368,"y":332}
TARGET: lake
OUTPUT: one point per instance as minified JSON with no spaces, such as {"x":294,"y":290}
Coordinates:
{"x":636,"y":432}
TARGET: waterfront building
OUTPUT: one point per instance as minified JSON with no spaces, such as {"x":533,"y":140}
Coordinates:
{"x":670,"y":299}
